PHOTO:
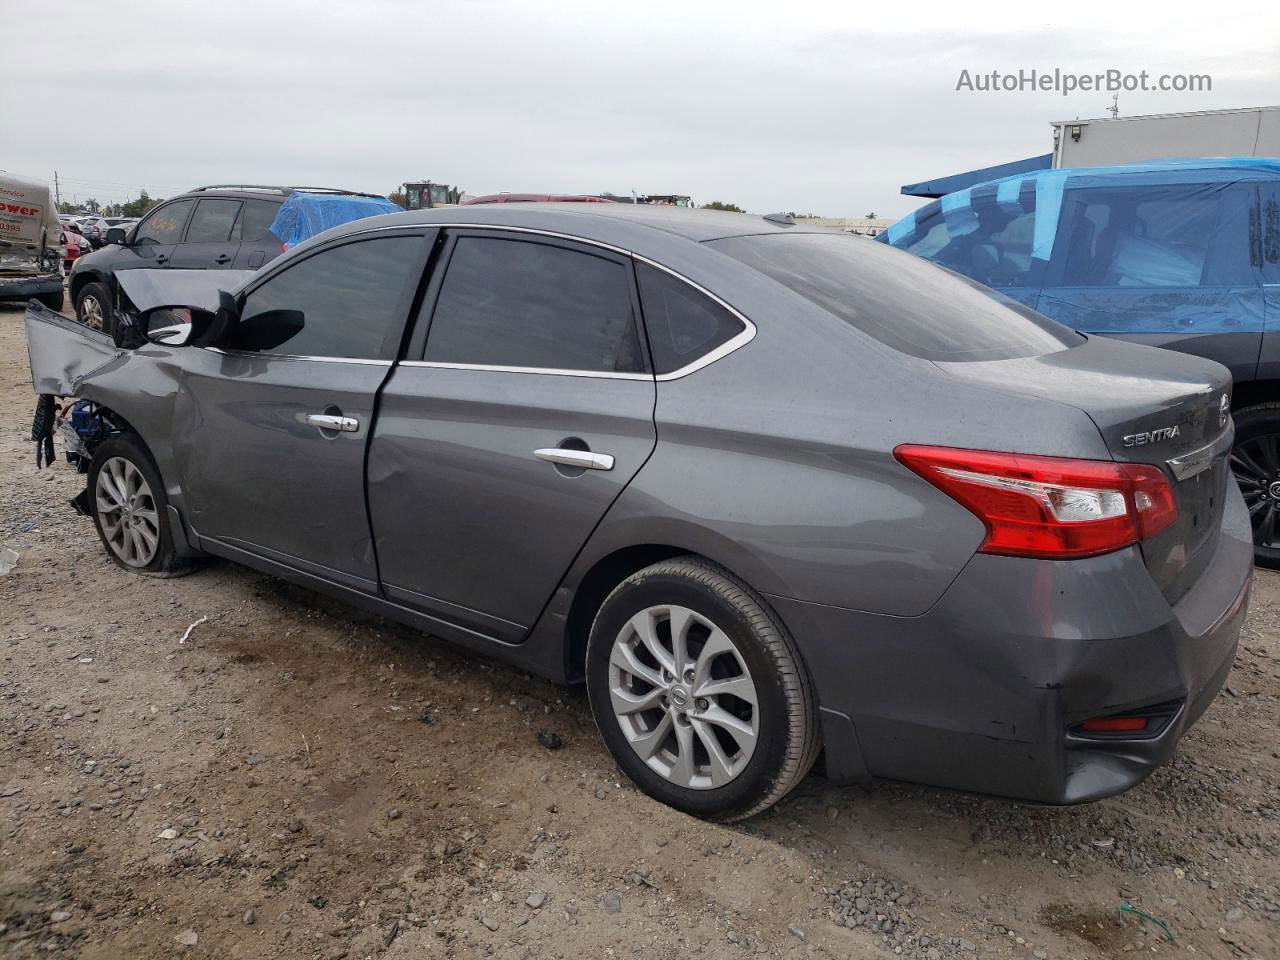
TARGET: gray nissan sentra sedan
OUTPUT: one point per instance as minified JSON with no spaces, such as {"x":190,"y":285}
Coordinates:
{"x":770,"y":491}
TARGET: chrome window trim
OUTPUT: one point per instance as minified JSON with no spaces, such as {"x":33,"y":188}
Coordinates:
{"x":251,"y":354}
{"x":729,"y":346}
{"x":549,"y":371}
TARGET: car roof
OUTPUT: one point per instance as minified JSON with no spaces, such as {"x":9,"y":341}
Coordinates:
{"x":620,"y":224}
{"x":223,"y":193}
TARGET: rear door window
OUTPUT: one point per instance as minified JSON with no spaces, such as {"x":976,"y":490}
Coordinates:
{"x":255,"y":221}
{"x":1177,"y":236}
{"x":349,"y":300}
{"x":683,"y":324}
{"x":901,"y":300}
{"x":165,"y":224}
{"x":517,"y":303}
{"x":212,"y":221}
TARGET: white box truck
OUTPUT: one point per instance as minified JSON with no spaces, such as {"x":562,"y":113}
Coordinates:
{"x":30,"y":242}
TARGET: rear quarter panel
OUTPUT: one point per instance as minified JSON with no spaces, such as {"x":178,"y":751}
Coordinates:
{"x":776,"y":461}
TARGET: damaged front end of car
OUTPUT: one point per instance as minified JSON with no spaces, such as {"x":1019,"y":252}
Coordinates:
{"x":91,"y":386}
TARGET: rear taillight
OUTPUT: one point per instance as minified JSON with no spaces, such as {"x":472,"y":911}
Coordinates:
{"x":1049,"y":507}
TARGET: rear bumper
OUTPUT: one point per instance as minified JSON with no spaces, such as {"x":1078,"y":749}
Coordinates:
{"x":981,"y":693}
{"x":24,"y":288}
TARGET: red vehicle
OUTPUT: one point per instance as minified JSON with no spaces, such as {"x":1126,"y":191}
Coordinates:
{"x":536,"y":198}
{"x":74,"y":247}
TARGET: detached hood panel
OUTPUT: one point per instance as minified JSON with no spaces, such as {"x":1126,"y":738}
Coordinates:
{"x":151,"y":289}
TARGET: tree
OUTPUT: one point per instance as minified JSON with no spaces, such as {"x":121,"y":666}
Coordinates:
{"x":136,"y":208}
{"x":871,"y":215}
{"x":397,"y":196}
{"x":718,"y":205}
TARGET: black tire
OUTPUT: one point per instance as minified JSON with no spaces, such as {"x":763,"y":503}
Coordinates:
{"x":52,"y":300}
{"x":127,"y":447}
{"x":787,"y":739}
{"x":95,"y":293}
{"x":1255,"y":461}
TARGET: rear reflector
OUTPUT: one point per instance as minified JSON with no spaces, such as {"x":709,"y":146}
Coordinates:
{"x":1049,"y":507}
{"x":1115,"y":725}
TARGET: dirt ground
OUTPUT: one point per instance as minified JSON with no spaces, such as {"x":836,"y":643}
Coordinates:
{"x":302,"y":780}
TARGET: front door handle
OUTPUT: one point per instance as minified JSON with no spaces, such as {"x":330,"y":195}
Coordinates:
{"x":575,"y":458}
{"x":162,"y":258}
{"x":222,"y":258}
{"x":327,"y":421}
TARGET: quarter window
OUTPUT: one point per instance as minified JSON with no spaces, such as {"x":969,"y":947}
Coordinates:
{"x":347,"y":298}
{"x":212,"y":221}
{"x":516,"y":303}
{"x":1268,"y":234}
{"x":683,"y":324}
{"x":165,"y":223}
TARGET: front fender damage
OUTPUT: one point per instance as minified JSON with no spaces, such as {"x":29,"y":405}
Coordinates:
{"x":64,"y":353}
{"x":88,"y":389}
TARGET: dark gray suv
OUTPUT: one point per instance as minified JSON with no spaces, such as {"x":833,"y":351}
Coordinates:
{"x":207,"y":228}
{"x":768,"y":490}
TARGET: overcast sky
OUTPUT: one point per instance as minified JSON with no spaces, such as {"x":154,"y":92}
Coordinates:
{"x":815,"y":107}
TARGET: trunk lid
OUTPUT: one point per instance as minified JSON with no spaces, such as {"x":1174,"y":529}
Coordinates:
{"x":1151,"y":406}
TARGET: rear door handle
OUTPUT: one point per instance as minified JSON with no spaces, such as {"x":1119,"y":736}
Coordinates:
{"x":327,"y":421}
{"x":162,"y":258}
{"x":575,"y":458}
{"x":222,"y":258}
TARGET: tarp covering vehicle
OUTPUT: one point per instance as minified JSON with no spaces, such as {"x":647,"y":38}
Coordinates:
{"x":30,"y":248}
{"x":1170,"y":247}
{"x":304,"y":215}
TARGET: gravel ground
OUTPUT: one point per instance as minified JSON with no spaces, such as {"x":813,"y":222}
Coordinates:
{"x":302,"y":780}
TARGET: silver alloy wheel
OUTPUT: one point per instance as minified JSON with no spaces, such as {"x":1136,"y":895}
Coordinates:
{"x":127,"y":512}
{"x":91,"y":312}
{"x":683,"y":697}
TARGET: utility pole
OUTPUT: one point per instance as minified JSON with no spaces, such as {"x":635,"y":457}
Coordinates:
{"x":57,"y":197}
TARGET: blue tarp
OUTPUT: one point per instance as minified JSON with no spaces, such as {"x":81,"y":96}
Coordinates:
{"x":304,"y":215}
{"x":941,"y":186}
{"x":1174,"y":247}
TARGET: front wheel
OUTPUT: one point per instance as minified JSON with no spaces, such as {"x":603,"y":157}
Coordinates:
{"x":699,"y":691}
{"x":130,"y":510}
{"x":1255,"y":461}
{"x":93,"y":307}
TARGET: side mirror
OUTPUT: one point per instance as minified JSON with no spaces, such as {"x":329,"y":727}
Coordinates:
{"x":266,"y":331}
{"x":175,"y":326}
{"x":115,"y":235}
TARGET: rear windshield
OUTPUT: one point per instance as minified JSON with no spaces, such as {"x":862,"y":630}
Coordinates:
{"x":901,"y":300}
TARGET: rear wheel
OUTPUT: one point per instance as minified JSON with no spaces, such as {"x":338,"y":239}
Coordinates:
{"x":699,"y":692}
{"x":1255,"y":460}
{"x":93,"y":307}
